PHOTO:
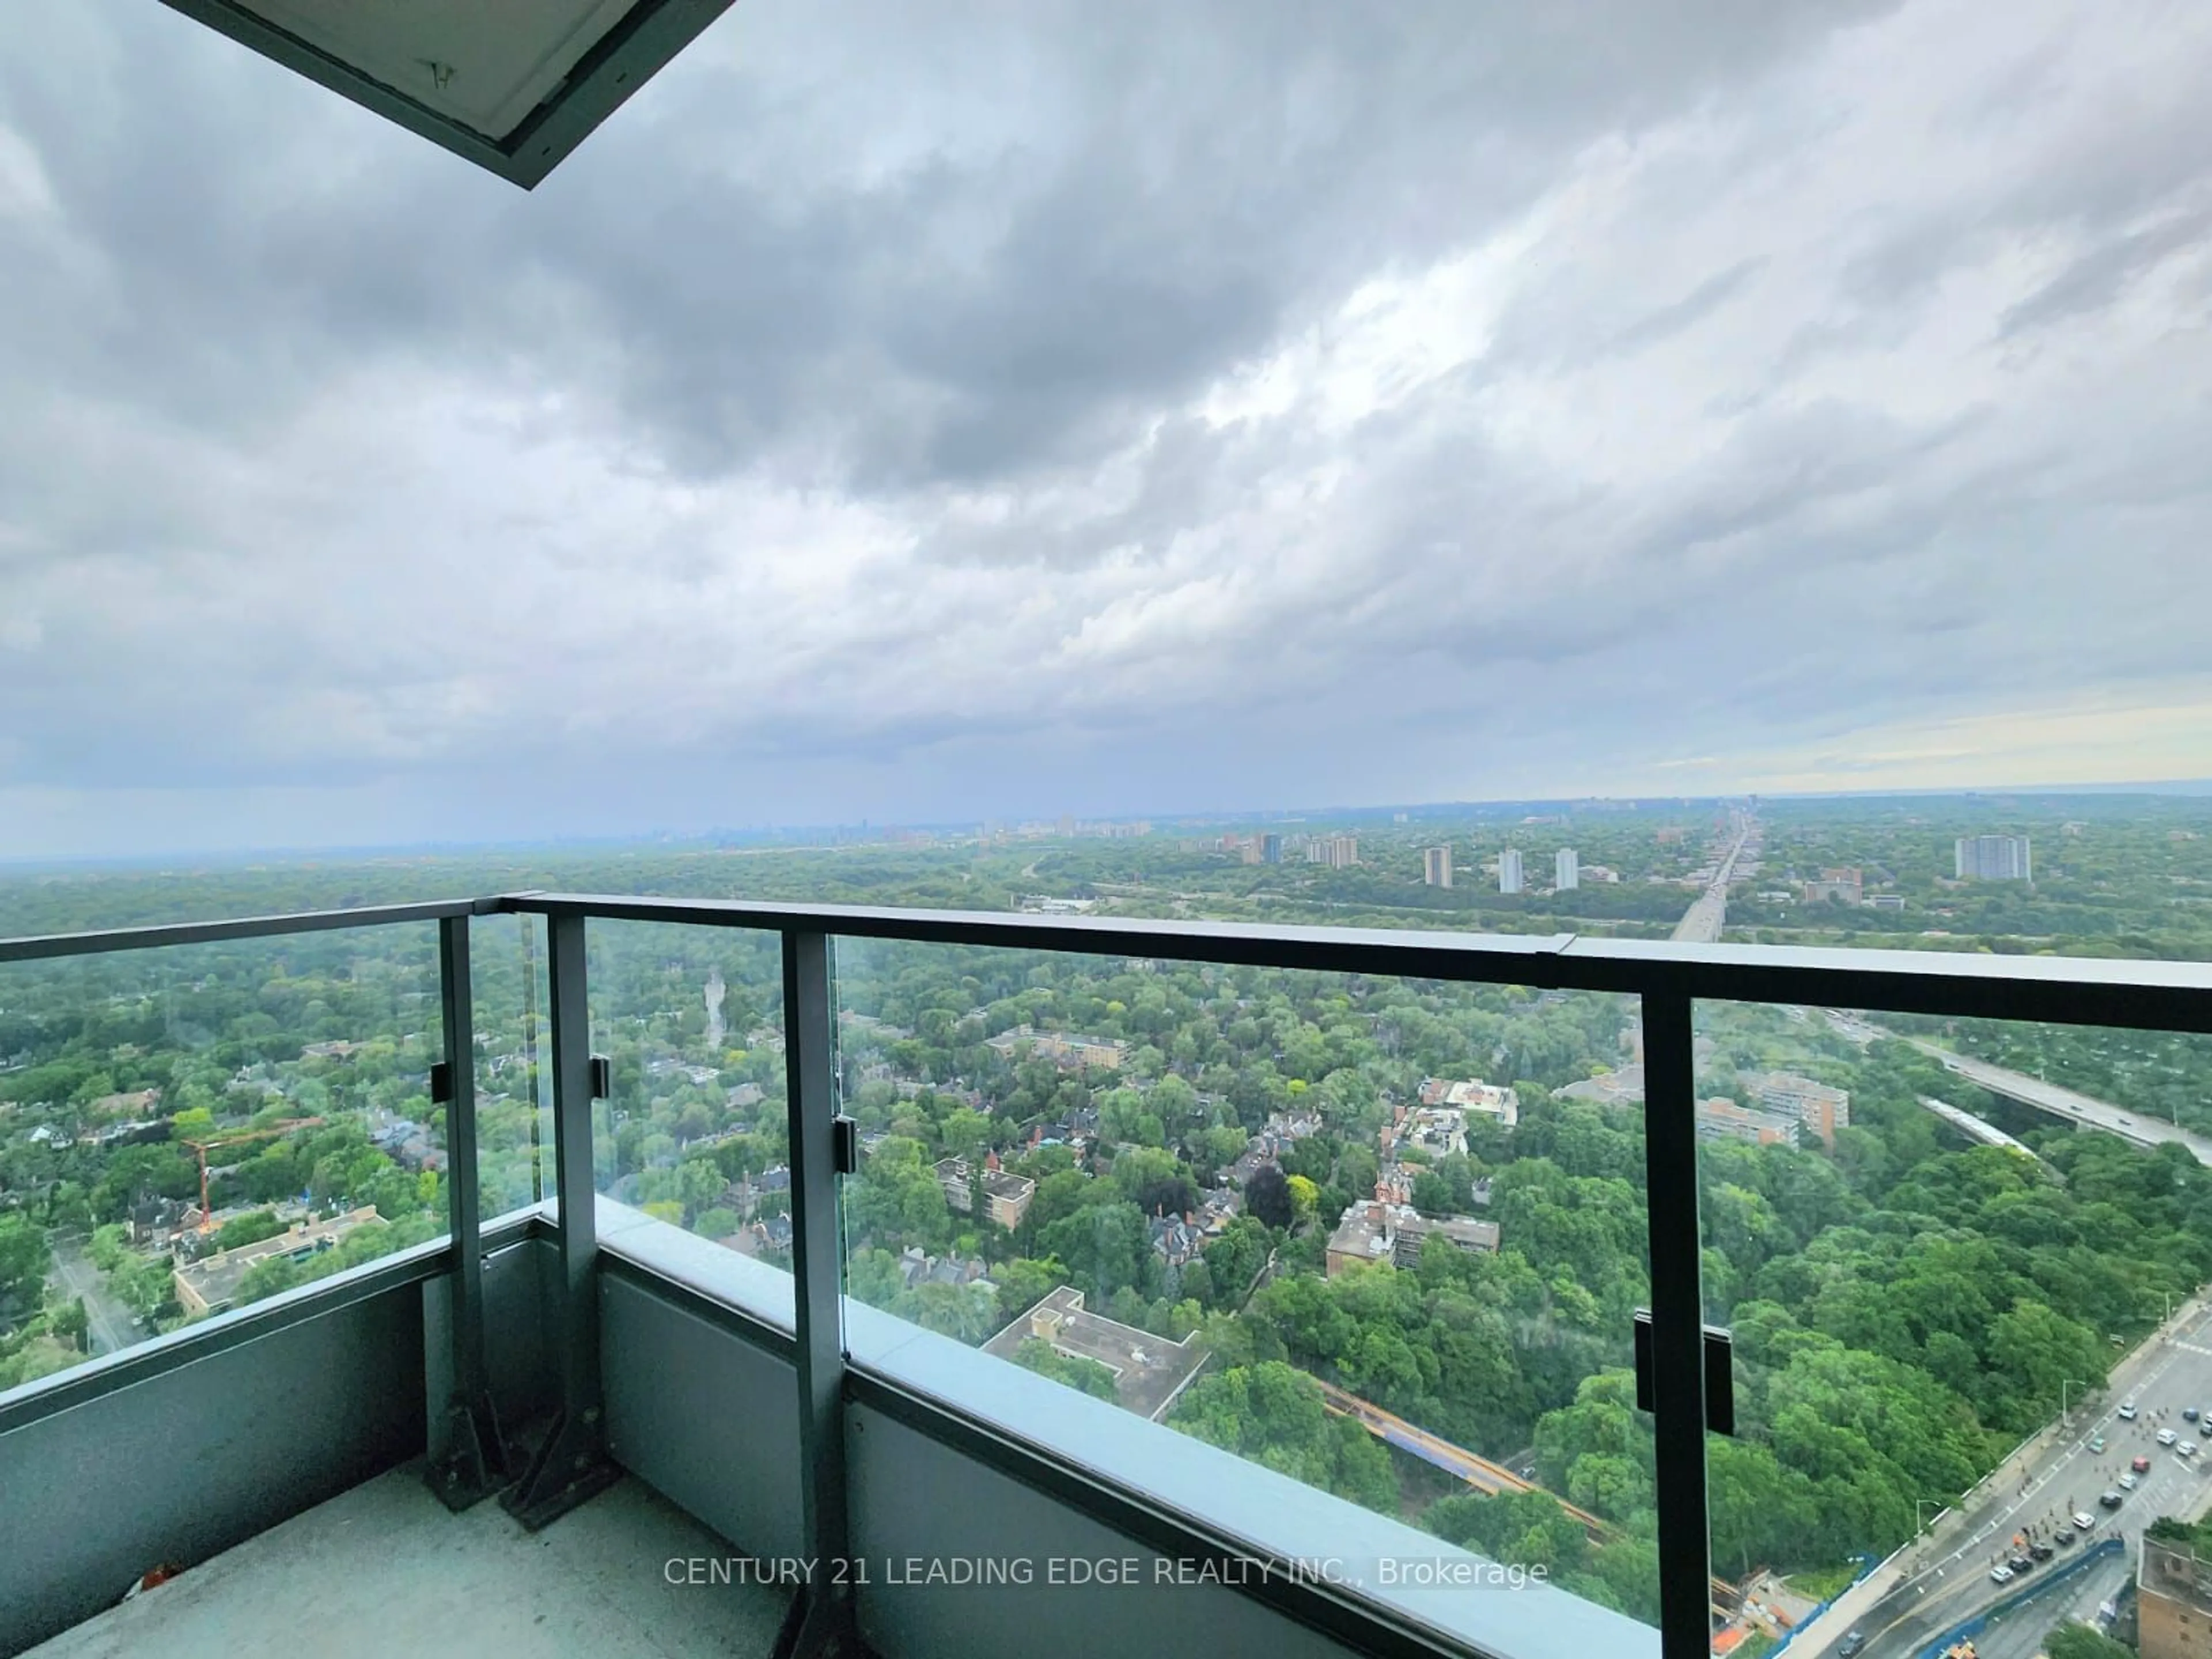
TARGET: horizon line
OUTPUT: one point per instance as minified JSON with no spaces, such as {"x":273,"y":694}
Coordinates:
{"x":679,"y":840}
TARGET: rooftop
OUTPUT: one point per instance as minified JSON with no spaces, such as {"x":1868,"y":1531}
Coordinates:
{"x":1149,"y":1371}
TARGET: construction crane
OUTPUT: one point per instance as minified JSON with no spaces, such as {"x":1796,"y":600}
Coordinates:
{"x":202,"y":1148}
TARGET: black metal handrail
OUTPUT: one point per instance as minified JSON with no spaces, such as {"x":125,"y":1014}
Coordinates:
{"x":2165,"y":996}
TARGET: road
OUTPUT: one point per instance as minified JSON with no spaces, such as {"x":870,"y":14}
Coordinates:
{"x":1949,"y":1581}
{"x":2021,"y":1634}
{"x":1703,"y":922}
{"x":2080,"y":1109}
{"x":75,"y":1276}
{"x":2064,"y":1102}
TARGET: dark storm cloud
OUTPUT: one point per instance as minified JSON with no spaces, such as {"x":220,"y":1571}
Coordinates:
{"x":902,"y":410}
{"x":1204,"y":173}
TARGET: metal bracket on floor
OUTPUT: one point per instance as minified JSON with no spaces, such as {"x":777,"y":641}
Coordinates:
{"x":819,"y":1626}
{"x":571,"y":1468}
{"x":476,"y":1463}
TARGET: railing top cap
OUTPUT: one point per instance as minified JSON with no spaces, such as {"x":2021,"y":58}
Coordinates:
{"x":2090,"y":991}
{"x":2159,"y":995}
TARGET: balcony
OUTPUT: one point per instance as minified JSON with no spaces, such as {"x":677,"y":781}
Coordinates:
{"x":665,"y":1419}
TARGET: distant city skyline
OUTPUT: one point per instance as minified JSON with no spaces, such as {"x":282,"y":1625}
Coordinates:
{"x":1394,"y":814}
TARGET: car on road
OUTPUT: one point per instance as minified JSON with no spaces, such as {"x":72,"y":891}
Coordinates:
{"x":2062,"y":1537}
{"x":1851,"y":1645}
{"x":2186,"y":1449}
{"x":2111,"y":1500}
{"x":2001,"y":1574}
{"x":2141,"y":1465}
{"x":2096,"y":1442}
{"x":2019,"y":1563}
{"x":2129,"y":1121}
{"x":2040,"y":1551}
{"x":2167,"y":1437}
{"x":2083,"y":1520}
{"x":2128,"y":1482}
{"x":2189,"y":1413}
{"x":2128,"y":1410}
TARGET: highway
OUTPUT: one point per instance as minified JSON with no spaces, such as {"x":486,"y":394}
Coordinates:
{"x":2064,"y":1102}
{"x":1949,"y":1579}
{"x":1708,"y":915}
{"x":2082,"y":1110}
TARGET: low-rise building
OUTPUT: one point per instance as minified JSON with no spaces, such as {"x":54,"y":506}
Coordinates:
{"x":1149,"y":1371}
{"x":1177,"y":1239}
{"x":2173,"y":1598}
{"x":1623,"y":1087}
{"x":1007,"y":1197}
{"x":153,"y":1221}
{"x":917,"y":1268}
{"x":1065,"y":1049}
{"x":1721,"y":1118}
{"x":209,"y":1284}
{"x":1378,"y":1231}
{"x":1436,"y":1131}
{"x":1473,"y":1095}
{"x":1843,"y":886}
{"x":1820,"y":1108}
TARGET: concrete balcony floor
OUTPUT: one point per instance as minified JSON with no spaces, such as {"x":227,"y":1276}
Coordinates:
{"x":385,"y":1569}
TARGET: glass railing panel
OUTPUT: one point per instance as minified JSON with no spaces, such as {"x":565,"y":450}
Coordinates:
{"x":189,"y":1130}
{"x":1959,"y":1394}
{"x":513,"y":1064}
{"x":693,"y":1134}
{"x":1385,"y":1237}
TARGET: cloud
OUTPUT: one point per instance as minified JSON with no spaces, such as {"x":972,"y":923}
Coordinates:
{"x":990,"y":412}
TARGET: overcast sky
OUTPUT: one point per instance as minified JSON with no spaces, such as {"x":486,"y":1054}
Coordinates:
{"x":925,"y":412}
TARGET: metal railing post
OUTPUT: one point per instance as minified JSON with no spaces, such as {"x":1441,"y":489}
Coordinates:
{"x":822,"y":1615}
{"x":475,"y":1461}
{"x":572,"y":1464}
{"x":1678,"y":1340}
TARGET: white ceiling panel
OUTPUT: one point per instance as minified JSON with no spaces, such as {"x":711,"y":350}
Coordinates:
{"x":511,"y":85}
{"x":486,"y":64}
